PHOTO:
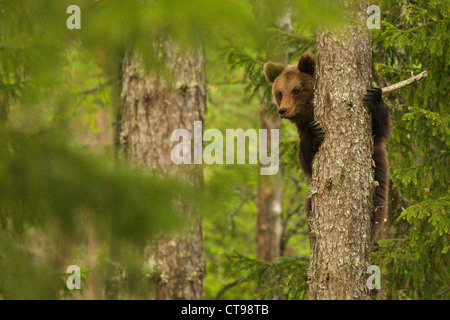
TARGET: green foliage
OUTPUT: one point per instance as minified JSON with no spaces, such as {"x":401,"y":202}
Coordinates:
{"x":421,"y":177}
{"x":415,"y":37}
{"x":252,"y":64}
{"x":288,"y":154}
{"x":417,"y":267}
{"x":284,"y":279}
{"x":229,"y":221}
{"x":293,"y":43}
{"x":46,"y":186}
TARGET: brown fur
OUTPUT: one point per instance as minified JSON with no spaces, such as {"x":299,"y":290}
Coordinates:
{"x":381,"y":129}
{"x":293,"y":89}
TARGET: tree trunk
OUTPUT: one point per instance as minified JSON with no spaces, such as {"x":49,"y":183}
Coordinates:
{"x":153,"y":107}
{"x":270,"y":188}
{"x":342,"y":184}
{"x":269,"y":226}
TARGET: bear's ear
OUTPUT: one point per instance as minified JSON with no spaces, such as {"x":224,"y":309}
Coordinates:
{"x":273,"y":70}
{"x":307,"y":63}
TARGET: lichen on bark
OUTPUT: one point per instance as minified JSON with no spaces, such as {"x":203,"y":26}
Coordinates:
{"x":342,"y":177}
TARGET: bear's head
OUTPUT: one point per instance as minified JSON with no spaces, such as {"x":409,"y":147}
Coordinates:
{"x":293,"y":88}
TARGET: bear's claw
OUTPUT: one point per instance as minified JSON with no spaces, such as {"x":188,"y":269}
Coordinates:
{"x":372,"y":97}
{"x":317,"y":134}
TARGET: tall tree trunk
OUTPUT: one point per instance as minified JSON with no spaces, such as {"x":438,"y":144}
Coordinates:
{"x":342,"y":184}
{"x":270,"y":187}
{"x":269,"y":227}
{"x":153,"y":107}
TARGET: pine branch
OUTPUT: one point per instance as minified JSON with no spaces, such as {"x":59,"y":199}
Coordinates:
{"x":414,"y":78}
{"x":224,"y":289}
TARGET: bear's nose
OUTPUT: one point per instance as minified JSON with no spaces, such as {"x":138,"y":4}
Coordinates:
{"x":282,"y":111}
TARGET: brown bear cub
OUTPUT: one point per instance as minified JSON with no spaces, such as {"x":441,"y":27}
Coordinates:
{"x":293,"y":89}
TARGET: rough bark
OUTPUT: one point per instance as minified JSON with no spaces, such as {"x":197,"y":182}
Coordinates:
{"x":153,"y":107}
{"x":342,"y":184}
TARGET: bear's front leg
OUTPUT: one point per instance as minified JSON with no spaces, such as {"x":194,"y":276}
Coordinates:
{"x":381,"y":127}
{"x":311,"y":139}
{"x":381,"y":124}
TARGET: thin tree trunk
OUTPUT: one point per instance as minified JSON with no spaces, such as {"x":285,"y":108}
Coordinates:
{"x":270,"y":188}
{"x":342,"y":184}
{"x":153,"y":108}
{"x":269,"y":227}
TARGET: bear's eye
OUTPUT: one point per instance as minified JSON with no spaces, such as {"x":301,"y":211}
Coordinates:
{"x":280,"y":95}
{"x":296,"y":92}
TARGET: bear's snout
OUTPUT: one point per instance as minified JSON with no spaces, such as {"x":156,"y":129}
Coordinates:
{"x":282,"y":111}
